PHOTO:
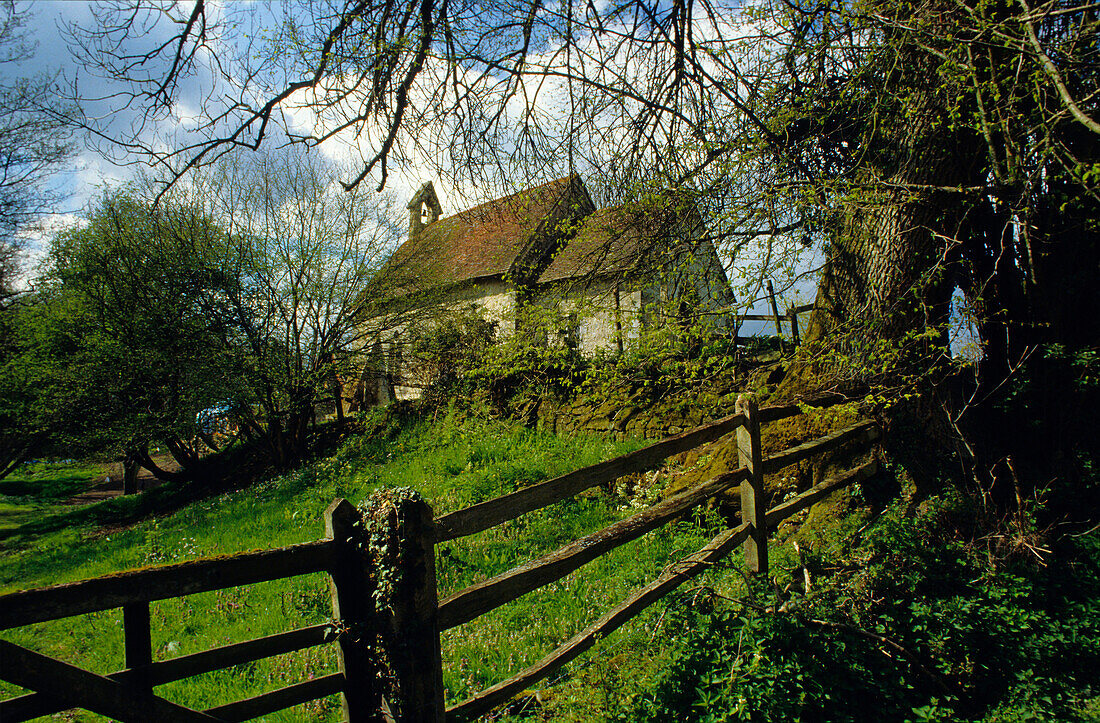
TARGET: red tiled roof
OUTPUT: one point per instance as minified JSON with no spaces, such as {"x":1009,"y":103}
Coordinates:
{"x":484,"y":241}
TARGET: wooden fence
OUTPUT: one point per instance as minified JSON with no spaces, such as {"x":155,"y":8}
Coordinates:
{"x":390,"y":661}
{"x":776,"y":318}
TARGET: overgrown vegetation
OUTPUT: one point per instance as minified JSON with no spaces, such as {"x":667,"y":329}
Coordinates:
{"x":525,"y":374}
{"x":914,"y":623}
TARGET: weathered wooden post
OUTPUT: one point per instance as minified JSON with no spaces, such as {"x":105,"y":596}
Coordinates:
{"x":138,"y":646}
{"x":353,"y":611}
{"x":753,"y":509}
{"x":793,"y":313}
{"x":402,"y":548}
{"x":778,"y":319}
{"x":415,"y":655}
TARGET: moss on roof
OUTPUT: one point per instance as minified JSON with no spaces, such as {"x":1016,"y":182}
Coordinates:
{"x":481,"y":242}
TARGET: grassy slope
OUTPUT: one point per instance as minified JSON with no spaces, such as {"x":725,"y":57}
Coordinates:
{"x":1017,"y":641}
{"x":39,"y":488}
{"x":454,"y":463}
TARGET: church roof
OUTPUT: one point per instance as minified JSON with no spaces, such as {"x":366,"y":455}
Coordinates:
{"x":617,"y":240}
{"x":493,"y":239}
{"x":607,"y":242}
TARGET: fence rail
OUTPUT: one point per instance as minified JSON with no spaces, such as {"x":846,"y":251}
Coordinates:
{"x":777,"y":319}
{"x":162,"y":582}
{"x":612,"y":620}
{"x":34,"y":705}
{"x":409,"y":626}
{"x":489,"y":514}
{"x":475,"y":601}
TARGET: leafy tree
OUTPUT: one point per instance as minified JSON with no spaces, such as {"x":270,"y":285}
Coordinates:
{"x":938,"y":140}
{"x":238,"y":291}
{"x":120,"y":339}
{"x":937,"y":164}
{"x":34,"y":144}
{"x":300,"y":252}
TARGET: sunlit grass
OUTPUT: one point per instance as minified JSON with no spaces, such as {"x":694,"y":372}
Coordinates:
{"x":454,"y":462}
{"x":37,"y":488}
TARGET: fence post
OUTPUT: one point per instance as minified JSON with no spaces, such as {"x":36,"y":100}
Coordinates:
{"x":138,"y":646}
{"x":753,"y":509}
{"x":415,"y":651}
{"x":794,"y":326}
{"x":353,"y":611}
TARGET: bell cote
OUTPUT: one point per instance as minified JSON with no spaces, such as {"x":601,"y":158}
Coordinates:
{"x":424,"y":208}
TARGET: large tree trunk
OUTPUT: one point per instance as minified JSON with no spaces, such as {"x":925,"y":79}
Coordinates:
{"x":130,"y":472}
{"x":887,"y":270}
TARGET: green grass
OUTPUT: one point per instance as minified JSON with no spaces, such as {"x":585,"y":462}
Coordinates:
{"x":36,"y":489}
{"x":1022,"y":642}
{"x":50,"y":480}
{"x":454,"y":461}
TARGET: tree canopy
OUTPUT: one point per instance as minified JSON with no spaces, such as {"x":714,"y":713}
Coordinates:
{"x":789,"y":121}
{"x":925,"y":148}
{"x":235,"y":296}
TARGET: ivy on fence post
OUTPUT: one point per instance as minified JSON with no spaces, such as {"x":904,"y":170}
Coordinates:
{"x":753,"y":508}
{"x":401,"y":540}
{"x":353,"y":613}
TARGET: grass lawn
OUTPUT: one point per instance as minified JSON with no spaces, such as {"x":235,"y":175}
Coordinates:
{"x":454,"y":462}
{"x":39,"y":488}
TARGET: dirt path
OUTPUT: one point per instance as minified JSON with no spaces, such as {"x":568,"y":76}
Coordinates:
{"x":111,"y":485}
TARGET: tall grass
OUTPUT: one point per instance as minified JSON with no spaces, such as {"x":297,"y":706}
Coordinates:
{"x":454,"y":461}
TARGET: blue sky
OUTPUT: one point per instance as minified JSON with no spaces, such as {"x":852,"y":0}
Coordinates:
{"x":52,"y":56}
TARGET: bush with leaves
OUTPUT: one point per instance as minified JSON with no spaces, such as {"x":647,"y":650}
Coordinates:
{"x":918,"y":619}
{"x":445,"y":348}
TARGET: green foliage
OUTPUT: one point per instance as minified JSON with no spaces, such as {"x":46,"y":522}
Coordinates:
{"x":449,"y":347}
{"x":1014,"y":642}
{"x":236,"y":294}
{"x":126,"y":323}
{"x":118,"y":346}
{"x":688,"y":359}
{"x":532,"y":363}
{"x":516,"y":372}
